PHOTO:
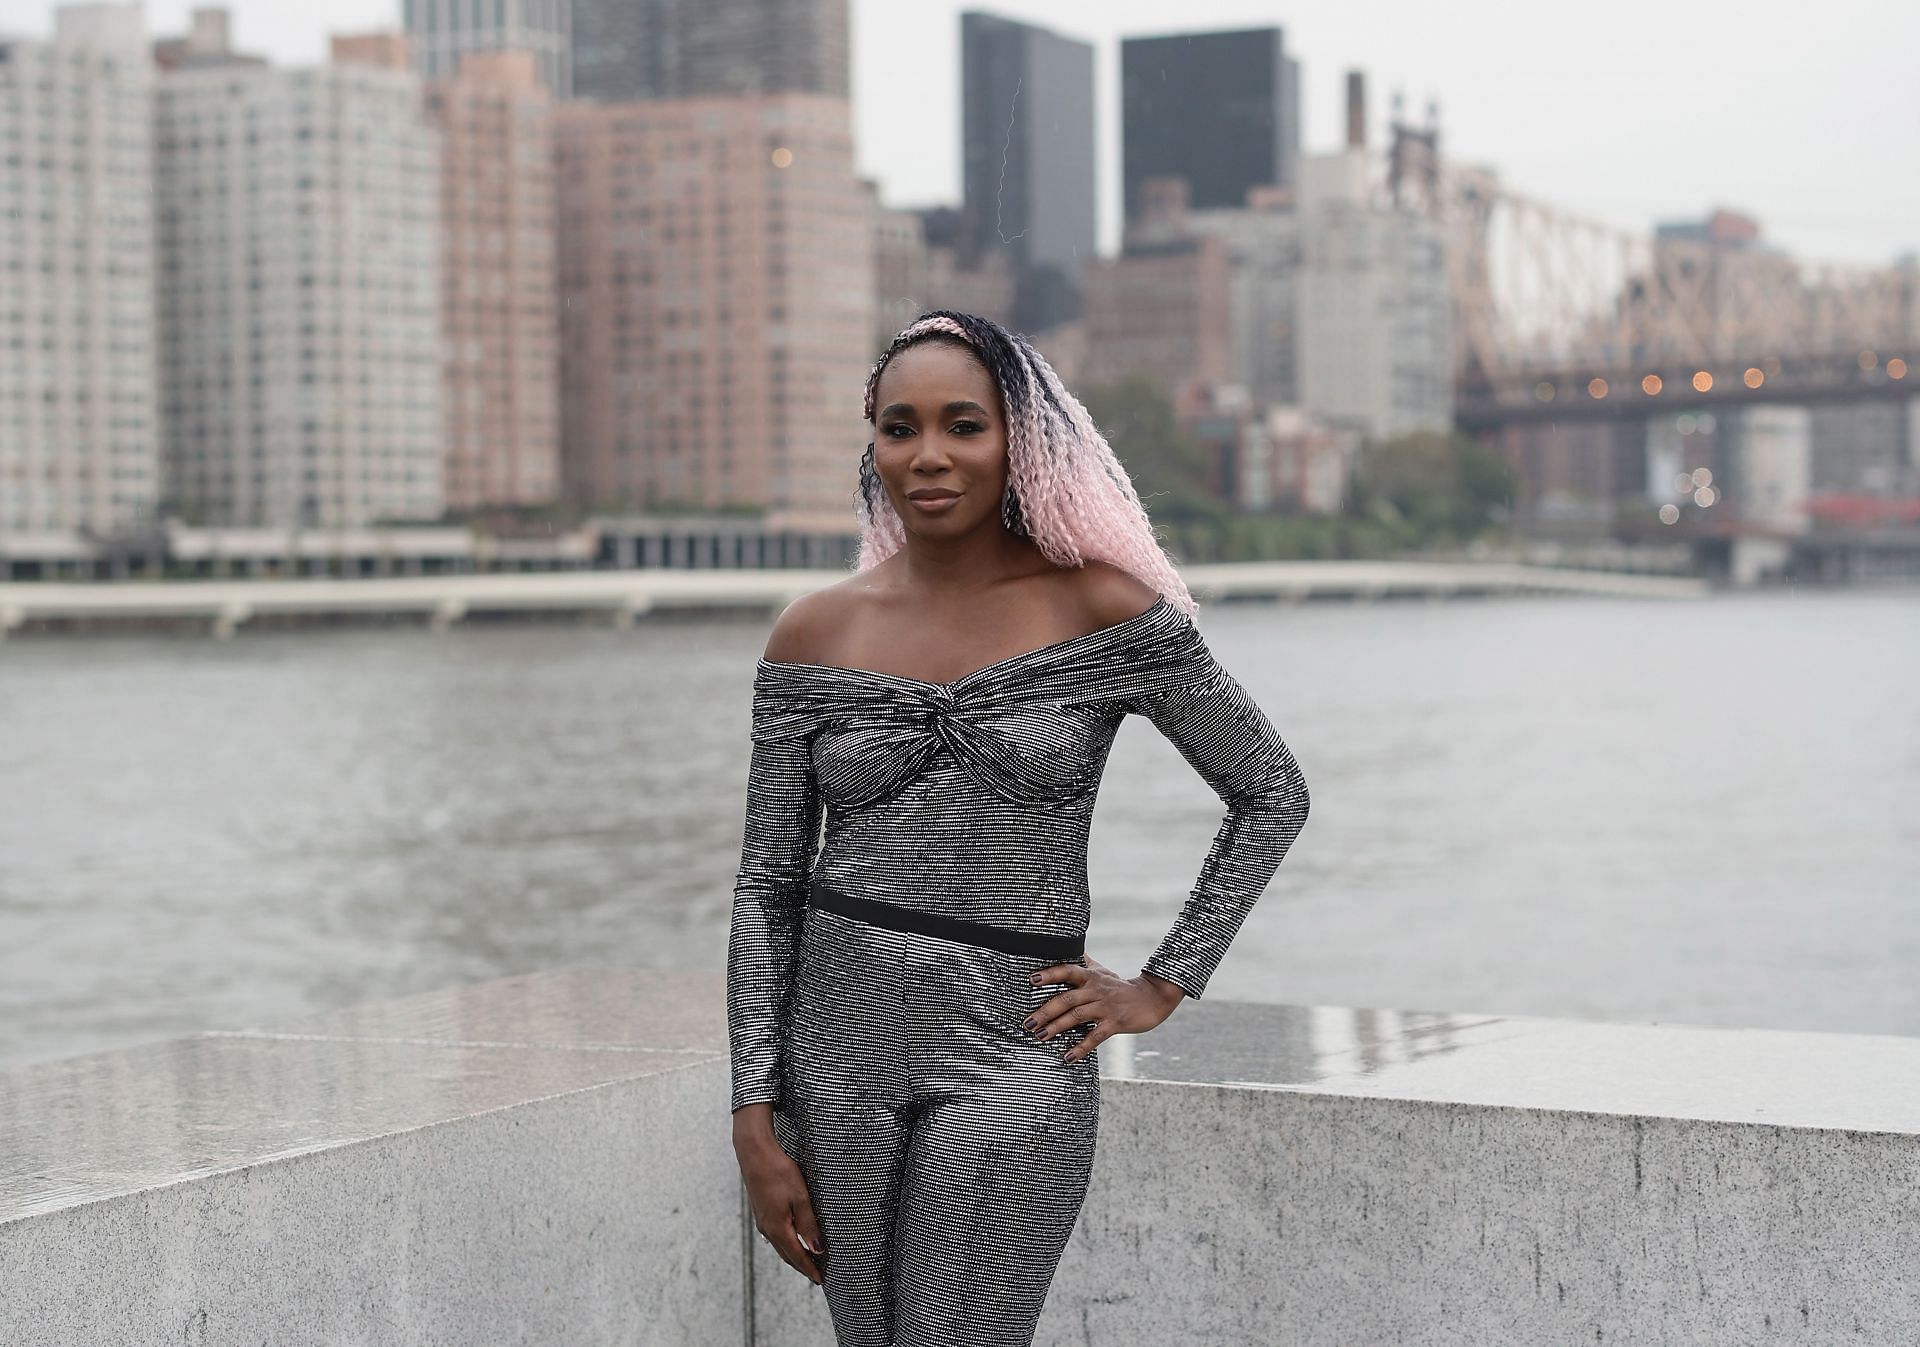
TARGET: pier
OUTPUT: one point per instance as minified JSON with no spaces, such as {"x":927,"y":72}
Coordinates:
{"x":223,"y":608}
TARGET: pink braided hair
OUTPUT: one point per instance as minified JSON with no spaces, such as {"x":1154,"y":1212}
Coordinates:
{"x":1070,"y":493}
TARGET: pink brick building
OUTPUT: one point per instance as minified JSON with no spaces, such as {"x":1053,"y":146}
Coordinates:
{"x":717,"y":306}
{"x":500,"y":316}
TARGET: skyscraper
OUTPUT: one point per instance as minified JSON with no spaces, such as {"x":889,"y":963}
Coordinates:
{"x":443,"y":30}
{"x":299,"y":290}
{"x":79,"y":439}
{"x":1027,"y":157}
{"x":1221,"y":110}
{"x":624,"y":50}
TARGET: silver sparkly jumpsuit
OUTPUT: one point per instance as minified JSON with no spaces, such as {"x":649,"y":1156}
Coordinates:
{"x":876,"y":991}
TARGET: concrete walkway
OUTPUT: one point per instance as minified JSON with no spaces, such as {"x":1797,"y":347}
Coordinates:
{"x":223,"y":607}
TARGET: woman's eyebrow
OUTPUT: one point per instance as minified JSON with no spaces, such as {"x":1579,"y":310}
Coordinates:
{"x":960,"y":405}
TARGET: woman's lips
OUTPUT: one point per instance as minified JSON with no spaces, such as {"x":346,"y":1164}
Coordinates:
{"x":932,"y":504}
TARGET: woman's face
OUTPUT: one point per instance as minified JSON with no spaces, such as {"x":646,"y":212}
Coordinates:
{"x":940,"y":441}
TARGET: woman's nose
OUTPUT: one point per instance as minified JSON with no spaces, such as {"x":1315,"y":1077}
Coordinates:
{"x":931,"y":451}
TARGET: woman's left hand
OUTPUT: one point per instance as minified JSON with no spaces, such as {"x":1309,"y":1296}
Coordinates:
{"x":1097,"y":995}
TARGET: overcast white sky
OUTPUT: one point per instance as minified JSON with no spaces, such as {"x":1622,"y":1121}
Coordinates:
{"x":1637,"y":110}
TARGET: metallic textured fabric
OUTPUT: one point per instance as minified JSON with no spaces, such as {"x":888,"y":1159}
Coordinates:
{"x":947,"y":1151}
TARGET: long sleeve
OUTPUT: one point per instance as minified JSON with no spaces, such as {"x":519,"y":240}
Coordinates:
{"x":783,"y":814}
{"x":1206,"y":714}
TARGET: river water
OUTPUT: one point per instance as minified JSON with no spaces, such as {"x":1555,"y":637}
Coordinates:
{"x":1684,"y":811}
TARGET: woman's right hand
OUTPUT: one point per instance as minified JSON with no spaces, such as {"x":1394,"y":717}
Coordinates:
{"x":782,"y":1210}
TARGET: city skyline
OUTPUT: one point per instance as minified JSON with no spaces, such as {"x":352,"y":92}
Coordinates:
{"x":299,"y":206}
{"x":1770,"y":96}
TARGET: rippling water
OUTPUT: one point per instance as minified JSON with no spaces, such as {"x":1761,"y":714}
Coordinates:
{"x":1602,"y":808}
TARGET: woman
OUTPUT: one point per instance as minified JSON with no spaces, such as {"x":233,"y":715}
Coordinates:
{"x":913,"y":1018}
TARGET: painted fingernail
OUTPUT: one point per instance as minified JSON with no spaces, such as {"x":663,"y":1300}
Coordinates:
{"x":1033,"y":979}
{"x":1030,"y":1021}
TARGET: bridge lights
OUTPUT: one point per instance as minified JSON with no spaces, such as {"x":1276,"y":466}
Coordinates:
{"x":1754,"y":377}
{"x":1868,"y":360}
{"x":1896,"y":368}
{"x":1704,"y":497}
{"x":1669,"y":513}
{"x":1651,"y":385}
{"x":1701,"y":477}
{"x":1597,"y":389}
{"x":1702,"y":381}
{"x":1543,"y":391}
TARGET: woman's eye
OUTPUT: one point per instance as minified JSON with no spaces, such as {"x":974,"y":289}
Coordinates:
{"x":969,"y":427}
{"x":888,"y":431}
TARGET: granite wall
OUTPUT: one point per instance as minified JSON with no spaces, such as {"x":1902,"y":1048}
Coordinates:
{"x":546,"y":1160}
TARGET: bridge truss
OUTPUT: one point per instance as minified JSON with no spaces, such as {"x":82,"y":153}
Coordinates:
{"x":1557,"y":315}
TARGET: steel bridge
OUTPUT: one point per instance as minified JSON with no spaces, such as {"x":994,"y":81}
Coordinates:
{"x":1558,"y":317}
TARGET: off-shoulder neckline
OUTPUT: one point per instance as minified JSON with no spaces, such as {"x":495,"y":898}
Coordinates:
{"x":1160,"y":603}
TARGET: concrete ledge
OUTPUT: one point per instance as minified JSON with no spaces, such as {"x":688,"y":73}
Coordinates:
{"x":494,"y":1164}
{"x":1323,"y":1175}
{"x":546,"y":1159}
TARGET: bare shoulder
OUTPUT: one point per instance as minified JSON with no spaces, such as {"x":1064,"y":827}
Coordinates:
{"x":803,"y":631}
{"x":1107,"y":594}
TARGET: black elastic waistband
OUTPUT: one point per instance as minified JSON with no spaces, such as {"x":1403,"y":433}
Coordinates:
{"x":897,"y":918}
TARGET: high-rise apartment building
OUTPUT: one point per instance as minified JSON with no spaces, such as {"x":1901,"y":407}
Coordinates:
{"x":625,"y":50}
{"x":1262,"y":239}
{"x":500,"y":323}
{"x":79,"y":433}
{"x":442,"y":31}
{"x":207,"y":41}
{"x":1331,"y":301}
{"x":299,"y":290}
{"x":1163,"y":310}
{"x":716,"y":264}
{"x":1221,"y":110}
{"x":1374,"y":345}
{"x":913,"y":273}
{"x":1027,"y":159}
